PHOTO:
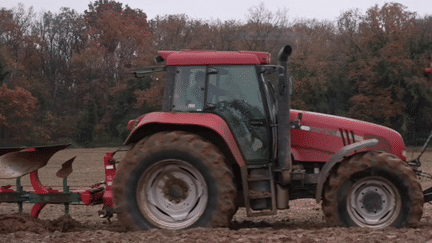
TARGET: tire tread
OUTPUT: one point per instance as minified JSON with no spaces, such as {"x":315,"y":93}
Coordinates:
{"x":213,"y":159}
{"x":361,"y":161}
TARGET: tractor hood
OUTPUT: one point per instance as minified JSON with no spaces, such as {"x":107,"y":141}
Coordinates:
{"x":316,"y":136}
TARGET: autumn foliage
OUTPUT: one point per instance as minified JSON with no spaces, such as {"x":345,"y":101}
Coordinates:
{"x":16,"y":113}
{"x":67,"y":76}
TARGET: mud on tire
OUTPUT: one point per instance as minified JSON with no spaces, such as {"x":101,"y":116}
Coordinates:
{"x":174,"y":180}
{"x":373,"y":189}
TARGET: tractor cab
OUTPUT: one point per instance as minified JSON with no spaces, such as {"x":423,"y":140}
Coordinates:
{"x":232,"y":85}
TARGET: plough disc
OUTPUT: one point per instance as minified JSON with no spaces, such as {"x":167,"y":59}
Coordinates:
{"x":66,"y":169}
{"x":24,"y":161}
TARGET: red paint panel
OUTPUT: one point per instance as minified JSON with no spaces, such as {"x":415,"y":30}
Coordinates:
{"x":87,"y":198}
{"x":36,"y":209}
{"x":201,"y":58}
{"x":6,"y":189}
{"x":313,"y":146}
{"x":207,"y":120}
{"x":37,"y":185}
{"x":323,"y":135}
{"x":110,"y":171}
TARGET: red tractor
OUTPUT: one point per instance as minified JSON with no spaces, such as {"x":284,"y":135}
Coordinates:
{"x":226,"y":139}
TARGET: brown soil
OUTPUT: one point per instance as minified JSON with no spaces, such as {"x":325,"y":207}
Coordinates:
{"x":23,"y":222}
{"x":303,"y":222}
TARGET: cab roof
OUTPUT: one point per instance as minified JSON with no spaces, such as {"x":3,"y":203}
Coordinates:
{"x":202,"y":58}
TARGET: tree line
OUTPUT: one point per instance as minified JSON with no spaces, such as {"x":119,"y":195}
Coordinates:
{"x":66,"y":76}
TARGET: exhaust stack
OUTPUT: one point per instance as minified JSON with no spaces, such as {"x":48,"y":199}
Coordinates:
{"x":283,"y":117}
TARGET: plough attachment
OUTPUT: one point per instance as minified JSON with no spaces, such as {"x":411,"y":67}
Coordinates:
{"x":18,"y":162}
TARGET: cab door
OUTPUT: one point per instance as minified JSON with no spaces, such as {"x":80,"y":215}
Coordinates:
{"x":233,"y":93}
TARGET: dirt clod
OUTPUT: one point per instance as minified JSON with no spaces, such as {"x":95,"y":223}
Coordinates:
{"x":23,"y":222}
{"x":65,"y":224}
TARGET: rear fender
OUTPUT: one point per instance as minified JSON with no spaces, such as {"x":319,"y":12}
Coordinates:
{"x":336,"y":158}
{"x":150,"y":123}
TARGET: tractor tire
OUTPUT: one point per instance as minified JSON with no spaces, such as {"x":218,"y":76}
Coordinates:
{"x":374,"y":190}
{"x":174,"y":180}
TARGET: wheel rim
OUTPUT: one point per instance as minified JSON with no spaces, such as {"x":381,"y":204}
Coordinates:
{"x":172,"y":194}
{"x":374,"y":202}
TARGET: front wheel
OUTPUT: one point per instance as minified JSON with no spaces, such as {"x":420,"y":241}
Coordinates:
{"x":174,"y":180}
{"x":374,"y":190}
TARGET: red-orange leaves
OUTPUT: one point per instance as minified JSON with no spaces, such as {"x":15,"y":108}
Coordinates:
{"x":16,"y":107}
{"x":15,"y":103}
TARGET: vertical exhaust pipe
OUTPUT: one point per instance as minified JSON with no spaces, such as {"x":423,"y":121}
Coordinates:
{"x":283,"y":116}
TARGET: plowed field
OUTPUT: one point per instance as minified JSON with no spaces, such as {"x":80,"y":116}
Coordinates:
{"x":303,"y":222}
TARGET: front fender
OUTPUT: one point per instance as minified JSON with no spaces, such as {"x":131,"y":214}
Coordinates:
{"x":206,"y":120}
{"x":336,"y":158}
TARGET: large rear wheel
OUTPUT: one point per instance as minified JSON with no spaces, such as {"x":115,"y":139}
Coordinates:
{"x":174,"y":180}
{"x":375,"y":190}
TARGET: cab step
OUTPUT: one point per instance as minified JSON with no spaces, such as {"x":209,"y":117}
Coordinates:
{"x":259,"y":190}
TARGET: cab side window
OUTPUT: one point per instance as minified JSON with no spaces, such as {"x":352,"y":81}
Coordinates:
{"x":189,"y":89}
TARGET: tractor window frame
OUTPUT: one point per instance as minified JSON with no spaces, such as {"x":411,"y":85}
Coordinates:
{"x":167,"y":103}
{"x":270,"y":107}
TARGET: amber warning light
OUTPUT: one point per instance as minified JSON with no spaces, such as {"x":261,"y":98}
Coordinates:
{"x":131,"y":125}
